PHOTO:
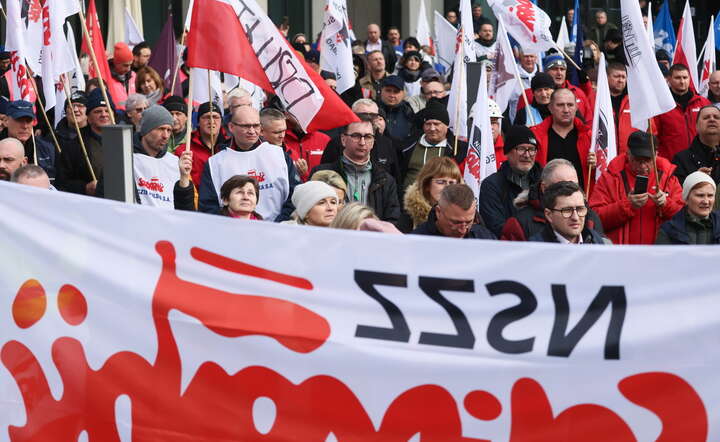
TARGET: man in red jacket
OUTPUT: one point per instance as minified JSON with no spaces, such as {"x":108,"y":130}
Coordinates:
{"x":629,"y":217}
{"x":556,"y":66}
{"x":676,"y":128}
{"x":563,"y":135}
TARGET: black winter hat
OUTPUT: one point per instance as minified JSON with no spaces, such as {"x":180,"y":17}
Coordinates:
{"x":518,"y":135}
{"x":175,"y":103}
{"x":542,"y":80}
{"x":435,"y":110}
{"x":205,"y":108}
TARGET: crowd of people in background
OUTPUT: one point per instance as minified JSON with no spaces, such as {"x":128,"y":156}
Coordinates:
{"x":399,"y":169}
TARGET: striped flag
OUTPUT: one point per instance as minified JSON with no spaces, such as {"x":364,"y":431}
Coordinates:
{"x":603,"y":141}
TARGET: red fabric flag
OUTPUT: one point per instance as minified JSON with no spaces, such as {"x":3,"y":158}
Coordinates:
{"x":261,"y":55}
{"x":685,"y":50}
{"x":97,"y":44}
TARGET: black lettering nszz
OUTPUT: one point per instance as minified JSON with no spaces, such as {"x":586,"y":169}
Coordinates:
{"x":432,"y":288}
{"x":367,"y":281}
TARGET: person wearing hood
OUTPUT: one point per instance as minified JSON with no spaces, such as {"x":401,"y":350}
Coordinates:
{"x":696,"y":223}
{"x":412,"y":66}
{"x":542,"y":86}
{"x":122,"y":81}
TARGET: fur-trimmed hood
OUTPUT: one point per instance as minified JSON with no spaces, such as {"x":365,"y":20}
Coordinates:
{"x":416,"y":205}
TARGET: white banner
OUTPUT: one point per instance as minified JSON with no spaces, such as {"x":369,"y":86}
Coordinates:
{"x":503,"y":82}
{"x":445,"y":39}
{"x":480,"y":162}
{"x":604,"y":137}
{"x":526,"y":22}
{"x":125,"y":322}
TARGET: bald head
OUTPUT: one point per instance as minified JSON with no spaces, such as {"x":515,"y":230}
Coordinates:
{"x":373,"y":33}
{"x":245,"y":126}
{"x":12,"y":157}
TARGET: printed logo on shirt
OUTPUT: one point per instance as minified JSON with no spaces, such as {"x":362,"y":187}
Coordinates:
{"x":259,"y":177}
{"x":153,"y":185}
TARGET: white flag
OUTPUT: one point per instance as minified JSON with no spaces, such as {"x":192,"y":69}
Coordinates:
{"x":685,"y":52}
{"x":646,"y":85}
{"x":466,"y":28}
{"x":423,"y":28}
{"x":457,"y":100}
{"x":336,"y":55}
{"x":603,"y":141}
{"x":133,"y":36}
{"x":650,"y":29}
{"x":480,"y":161}
{"x":200,"y":91}
{"x":527,"y":23}
{"x":21,"y":88}
{"x":445,"y":40}
{"x":503,"y":82}
{"x":75,"y":75}
{"x":709,"y":63}
{"x":563,"y":38}
{"x":188,"y":17}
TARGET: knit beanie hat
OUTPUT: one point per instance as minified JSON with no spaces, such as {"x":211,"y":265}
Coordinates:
{"x":435,"y":110}
{"x":205,"y":108}
{"x":175,"y":103}
{"x":95,"y":99}
{"x":122,"y":53}
{"x":693,"y":180}
{"x":153,"y":117}
{"x":542,"y":80}
{"x":306,"y":195}
{"x":518,"y":135}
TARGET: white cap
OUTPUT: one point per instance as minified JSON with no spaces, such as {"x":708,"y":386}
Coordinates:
{"x":693,"y":180}
{"x":306,"y":195}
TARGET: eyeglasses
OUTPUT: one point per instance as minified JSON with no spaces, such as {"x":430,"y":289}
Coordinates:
{"x":358,"y":136}
{"x":445,"y":182}
{"x":526,"y":150}
{"x":567,"y":212}
{"x":255,"y":126}
{"x":369,"y":115}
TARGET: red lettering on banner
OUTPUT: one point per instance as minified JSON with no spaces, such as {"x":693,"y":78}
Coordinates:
{"x":46,"y":22}
{"x":525,"y":12}
{"x":219,"y":406}
{"x":34,"y":10}
{"x":154,"y":184}
{"x":20,"y":76}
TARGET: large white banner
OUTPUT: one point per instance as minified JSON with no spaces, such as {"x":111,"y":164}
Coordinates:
{"x":128,"y":323}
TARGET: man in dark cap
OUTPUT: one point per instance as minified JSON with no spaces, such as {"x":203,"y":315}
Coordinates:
{"x":20,"y":121}
{"x":435,"y":141}
{"x":542,"y":86}
{"x":73,"y":172}
{"x":517,"y":173}
{"x":399,"y":112}
{"x":178,"y":109}
{"x":201,"y":139}
{"x":631,"y":212}
{"x":77,"y":112}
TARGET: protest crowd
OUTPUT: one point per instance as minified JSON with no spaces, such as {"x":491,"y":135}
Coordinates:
{"x":558,"y":147}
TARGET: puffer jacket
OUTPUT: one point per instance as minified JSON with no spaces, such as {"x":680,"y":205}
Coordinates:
{"x":676,"y":128}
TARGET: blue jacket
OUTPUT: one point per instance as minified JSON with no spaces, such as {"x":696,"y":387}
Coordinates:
{"x":497,"y":193}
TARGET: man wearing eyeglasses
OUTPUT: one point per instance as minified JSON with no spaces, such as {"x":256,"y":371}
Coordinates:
{"x":367,"y":182}
{"x":432,"y":85}
{"x":454,"y":216}
{"x":566,"y":211}
{"x":247,"y":154}
{"x":201,"y":140}
{"x":517,"y":173}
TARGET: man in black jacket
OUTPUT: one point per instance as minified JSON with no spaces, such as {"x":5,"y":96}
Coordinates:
{"x":566,"y":211}
{"x":455,"y":216}
{"x":704,"y":151}
{"x":367,"y":182}
{"x":518,"y":173}
{"x":374,"y":43}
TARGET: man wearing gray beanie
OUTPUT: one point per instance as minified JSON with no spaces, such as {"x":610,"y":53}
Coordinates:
{"x":161,"y":180}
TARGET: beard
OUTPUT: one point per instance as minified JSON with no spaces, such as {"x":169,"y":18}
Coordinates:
{"x":4,"y":175}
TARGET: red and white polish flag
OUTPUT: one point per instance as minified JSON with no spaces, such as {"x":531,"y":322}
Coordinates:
{"x":603,"y":141}
{"x":526,"y":22}
{"x":709,"y":64}
{"x":685,"y":52}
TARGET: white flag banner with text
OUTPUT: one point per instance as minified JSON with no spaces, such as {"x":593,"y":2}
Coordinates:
{"x":526,"y":22}
{"x":445,"y":40}
{"x":709,"y":63}
{"x":604,"y":141}
{"x":503,"y":82}
{"x":480,"y":162}
{"x":336,"y":54}
{"x":127,"y":322}
{"x":646,"y":85}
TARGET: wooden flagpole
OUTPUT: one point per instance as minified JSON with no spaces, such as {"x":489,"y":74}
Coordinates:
{"x":569,"y":58}
{"x":522,"y":92}
{"x":42,"y":109}
{"x":457,"y":105}
{"x":77,"y":129}
{"x":96,"y":66}
{"x":32,"y":135}
{"x":212,"y":121}
{"x":188,"y":135}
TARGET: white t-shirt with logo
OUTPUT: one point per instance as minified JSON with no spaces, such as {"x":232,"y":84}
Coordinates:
{"x":266,"y":163}
{"x":155,"y":179}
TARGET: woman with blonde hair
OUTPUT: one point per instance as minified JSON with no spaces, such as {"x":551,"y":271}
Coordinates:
{"x":334,"y":180}
{"x":316,"y":204}
{"x":424,"y":193}
{"x":357,"y":216}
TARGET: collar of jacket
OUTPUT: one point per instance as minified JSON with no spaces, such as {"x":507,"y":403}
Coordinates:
{"x":138,"y":147}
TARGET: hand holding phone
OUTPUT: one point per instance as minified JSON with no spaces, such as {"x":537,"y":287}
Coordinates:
{"x":641,"y":185}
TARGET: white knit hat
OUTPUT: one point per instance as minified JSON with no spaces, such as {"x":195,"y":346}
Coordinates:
{"x":306,"y":195}
{"x":693,"y":180}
